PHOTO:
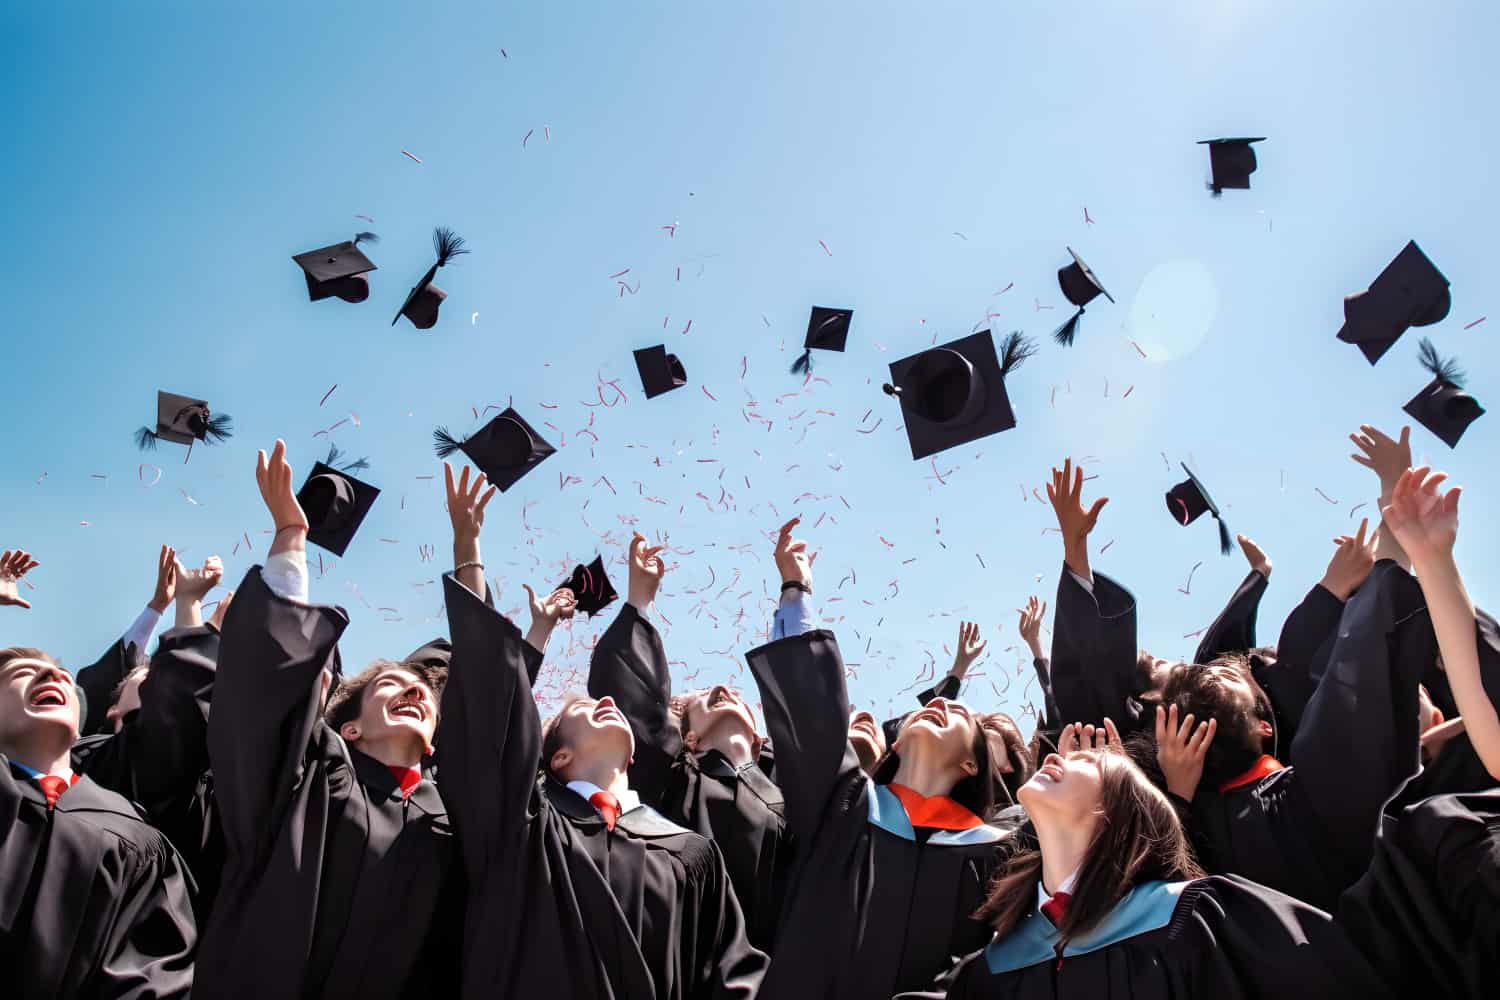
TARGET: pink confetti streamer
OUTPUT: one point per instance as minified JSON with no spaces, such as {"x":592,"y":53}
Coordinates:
{"x":526,"y":137}
{"x":140,"y":474}
{"x":1106,"y":546}
{"x":410,"y":157}
{"x":825,"y":248}
{"x":687,"y":328}
{"x":620,"y":274}
{"x":1476,"y":323}
{"x":709,"y":394}
{"x":1353,"y":509}
{"x":1138,"y":348}
{"x":365,"y":217}
{"x":1188,"y":589}
{"x":328,"y":393}
{"x":1128,"y":392}
{"x":1325,"y":496}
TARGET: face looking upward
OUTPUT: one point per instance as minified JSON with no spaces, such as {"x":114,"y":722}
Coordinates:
{"x":1065,"y":790}
{"x":942,"y":732}
{"x":589,"y":733}
{"x":395,"y":706}
{"x":718,"y":713}
{"x":867,"y":738}
{"x":38,"y":703}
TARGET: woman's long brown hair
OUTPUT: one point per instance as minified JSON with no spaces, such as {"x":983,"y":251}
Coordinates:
{"x":1139,"y":839}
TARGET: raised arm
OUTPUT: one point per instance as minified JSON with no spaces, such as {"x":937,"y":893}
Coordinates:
{"x":14,"y":564}
{"x":192,"y":586}
{"x":1388,"y":458}
{"x":1234,"y":630}
{"x":1030,"y":627}
{"x":100,"y":678}
{"x":970,"y":647}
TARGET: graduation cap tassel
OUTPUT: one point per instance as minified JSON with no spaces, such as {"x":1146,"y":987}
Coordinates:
{"x":1064,"y":333}
{"x":1014,"y":350}
{"x":145,"y":439}
{"x":1443,"y":369}
{"x":445,"y":443}
{"x":448,"y":245}
{"x":803,"y":364}
{"x":1224,"y":542}
{"x":220,"y":428}
{"x":332,"y":461}
{"x":365,"y":238}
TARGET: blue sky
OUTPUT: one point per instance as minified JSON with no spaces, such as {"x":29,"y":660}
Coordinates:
{"x":165,"y":162}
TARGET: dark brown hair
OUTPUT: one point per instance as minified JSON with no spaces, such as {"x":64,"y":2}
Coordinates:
{"x":1236,"y":745}
{"x":1139,"y":839}
{"x":347,"y":700}
{"x":552,"y":738}
{"x":1021,"y":757}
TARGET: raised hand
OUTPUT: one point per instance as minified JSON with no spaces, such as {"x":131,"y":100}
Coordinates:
{"x":466,"y":506}
{"x":1073,"y":520}
{"x":1077,"y":736}
{"x":1181,"y":749}
{"x":1255,"y":556}
{"x":14,"y":564}
{"x":793,"y":561}
{"x":166,"y":580}
{"x":1351,"y":563}
{"x":970,"y":646}
{"x":1031,"y":625}
{"x":217,"y":618}
{"x":274,"y":477}
{"x":1423,"y":520}
{"x":546,"y":613}
{"x":192,"y":584}
{"x":1386,"y":456}
{"x":646,"y":571}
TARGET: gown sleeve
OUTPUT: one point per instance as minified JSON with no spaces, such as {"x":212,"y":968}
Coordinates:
{"x":149,"y":952}
{"x":1301,"y":655}
{"x":629,"y":664}
{"x":729,"y":967}
{"x":1234,"y":630}
{"x":98,"y":681}
{"x":1094,"y":652}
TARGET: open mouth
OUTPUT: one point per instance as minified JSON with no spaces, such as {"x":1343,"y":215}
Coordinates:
{"x":50,"y":696}
{"x":607,"y":713}
{"x":720,"y":697}
{"x":408,"y":710}
{"x":1050,"y":772}
{"x":934,"y":715}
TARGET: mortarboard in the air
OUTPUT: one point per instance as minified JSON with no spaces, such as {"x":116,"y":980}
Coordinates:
{"x":183,"y":420}
{"x":1409,"y":292}
{"x":1232,"y":162}
{"x":1080,"y":287}
{"x":827,"y":330}
{"x":338,"y":270}
{"x":955,"y":393}
{"x":505,"y":449}
{"x":1443,"y":407}
{"x":590,"y":586}
{"x":422,"y":302}
{"x":335,"y":502}
{"x":660,"y":372}
{"x":434,"y":653}
{"x":1189,"y":500}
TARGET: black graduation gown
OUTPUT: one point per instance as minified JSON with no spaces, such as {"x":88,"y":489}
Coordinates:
{"x":98,"y":681}
{"x":1217,"y":937}
{"x":1234,"y":630}
{"x":559,"y":905}
{"x":1427,"y":913}
{"x":93,"y":901}
{"x":741,"y":809}
{"x":1308,"y":830}
{"x":1094,"y":655}
{"x":1302,"y":652}
{"x":333,"y":882}
{"x":875,"y":906}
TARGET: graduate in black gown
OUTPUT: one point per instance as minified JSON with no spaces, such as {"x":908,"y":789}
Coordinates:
{"x":1113,"y":905}
{"x":1234,"y":630}
{"x":890,"y":868}
{"x":338,"y":851}
{"x":94,"y":902}
{"x":575,"y":888}
{"x":698,"y":757}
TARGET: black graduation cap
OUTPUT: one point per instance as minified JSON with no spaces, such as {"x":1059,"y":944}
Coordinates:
{"x":590,"y":586}
{"x":827,"y":330}
{"x":1080,"y":287}
{"x":1232,"y":162}
{"x":335,"y":502}
{"x":1443,"y":407}
{"x":338,"y":270}
{"x":954,"y":394}
{"x":1189,"y":500}
{"x":422,"y":302}
{"x":434,"y":653}
{"x":660,"y":372}
{"x":183,"y":420}
{"x":505,"y":449}
{"x":1411,"y":291}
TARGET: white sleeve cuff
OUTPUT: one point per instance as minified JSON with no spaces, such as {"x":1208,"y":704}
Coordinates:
{"x":139,"y":633}
{"x":1087,"y":585}
{"x":286,"y":574}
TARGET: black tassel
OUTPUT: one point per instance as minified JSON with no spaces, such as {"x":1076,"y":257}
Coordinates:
{"x":803,"y":364}
{"x":145,"y":439}
{"x":1014,"y":350}
{"x":448,"y":244}
{"x":220,"y":428}
{"x":1445,"y":370}
{"x":365,"y":238}
{"x":1224,"y":546}
{"x":332,"y":461}
{"x":446,"y":444}
{"x":890,"y":390}
{"x":1064,"y":333}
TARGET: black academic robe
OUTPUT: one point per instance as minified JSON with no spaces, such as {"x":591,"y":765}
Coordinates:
{"x":1217,"y":937}
{"x":1302,"y":652}
{"x":1427,"y":913}
{"x":159,"y":758}
{"x":98,"y":681}
{"x":1094,"y":656}
{"x":875,"y":907}
{"x":1234,"y":630}
{"x":558,"y":904}
{"x":1307,"y":830}
{"x":333,"y":881}
{"x":94,"y":902}
{"x":740,"y":809}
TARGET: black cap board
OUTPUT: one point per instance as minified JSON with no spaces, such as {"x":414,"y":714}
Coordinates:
{"x":590,"y":586}
{"x":1189,"y":500}
{"x":1080,"y":287}
{"x":335,"y":503}
{"x":422,"y":302}
{"x":1232,"y":162}
{"x":954,"y":394}
{"x":505,"y":449}
{"x":434,"y":653}
{"x":1410,"y":292}
{"x":1443,"y":407}
{"x":660,"y":372}
{"x":827,"y":330}
{"x":338,"y":270}
{"x":183,"y":420}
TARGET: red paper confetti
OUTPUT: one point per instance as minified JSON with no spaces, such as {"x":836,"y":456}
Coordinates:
{"x":526,"y":136}
{"x":1325,"y":496}
{"x":328,"y":393}
{"x":709,"y":394}
{"x":825,"y":248}
{"x":1476,"y":322}
{"x":410,"y":157}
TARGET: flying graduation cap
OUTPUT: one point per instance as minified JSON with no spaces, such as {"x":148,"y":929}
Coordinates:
{"x":335,"y":502}
{"x":660,"y":372}
{"x":338,"y":270}
{"x":505,"y":449}
{"x":1080,"y":287}
{"x":183,"y":420}
{"x":1189,"y":500}
{"x":1443,"y":407}
{"x":422,"y":302}
{"x":827,"y":330}
{"x":590,"y":586}
{"x":1411,"y":291}
{"x":1232,"y":162}
{"x":954,"y":394}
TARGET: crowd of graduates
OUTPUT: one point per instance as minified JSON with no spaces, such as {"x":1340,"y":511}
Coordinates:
{"x":241,"y":814}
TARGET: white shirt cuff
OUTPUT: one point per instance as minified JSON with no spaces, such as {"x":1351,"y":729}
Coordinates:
{"x":286,"y":574}
{"x":1087,"y":585}
{"x":139,"y":633}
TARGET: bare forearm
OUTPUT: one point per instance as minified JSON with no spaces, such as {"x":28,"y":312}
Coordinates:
{"x":1386,"y":546}
{"x":1453,"y":620}
{"x":189,"y":612}
{"x":1076,"y":557}
{"x":466,"y":555}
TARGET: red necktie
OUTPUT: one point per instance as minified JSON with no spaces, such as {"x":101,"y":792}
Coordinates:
{"x":1056,"y":907}
{"x":53,"y":787}
{"x":608,"y":806}
{"x":407,"y":777}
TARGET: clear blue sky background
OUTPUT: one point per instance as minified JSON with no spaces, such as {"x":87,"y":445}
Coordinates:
{"x":164,"y":161}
